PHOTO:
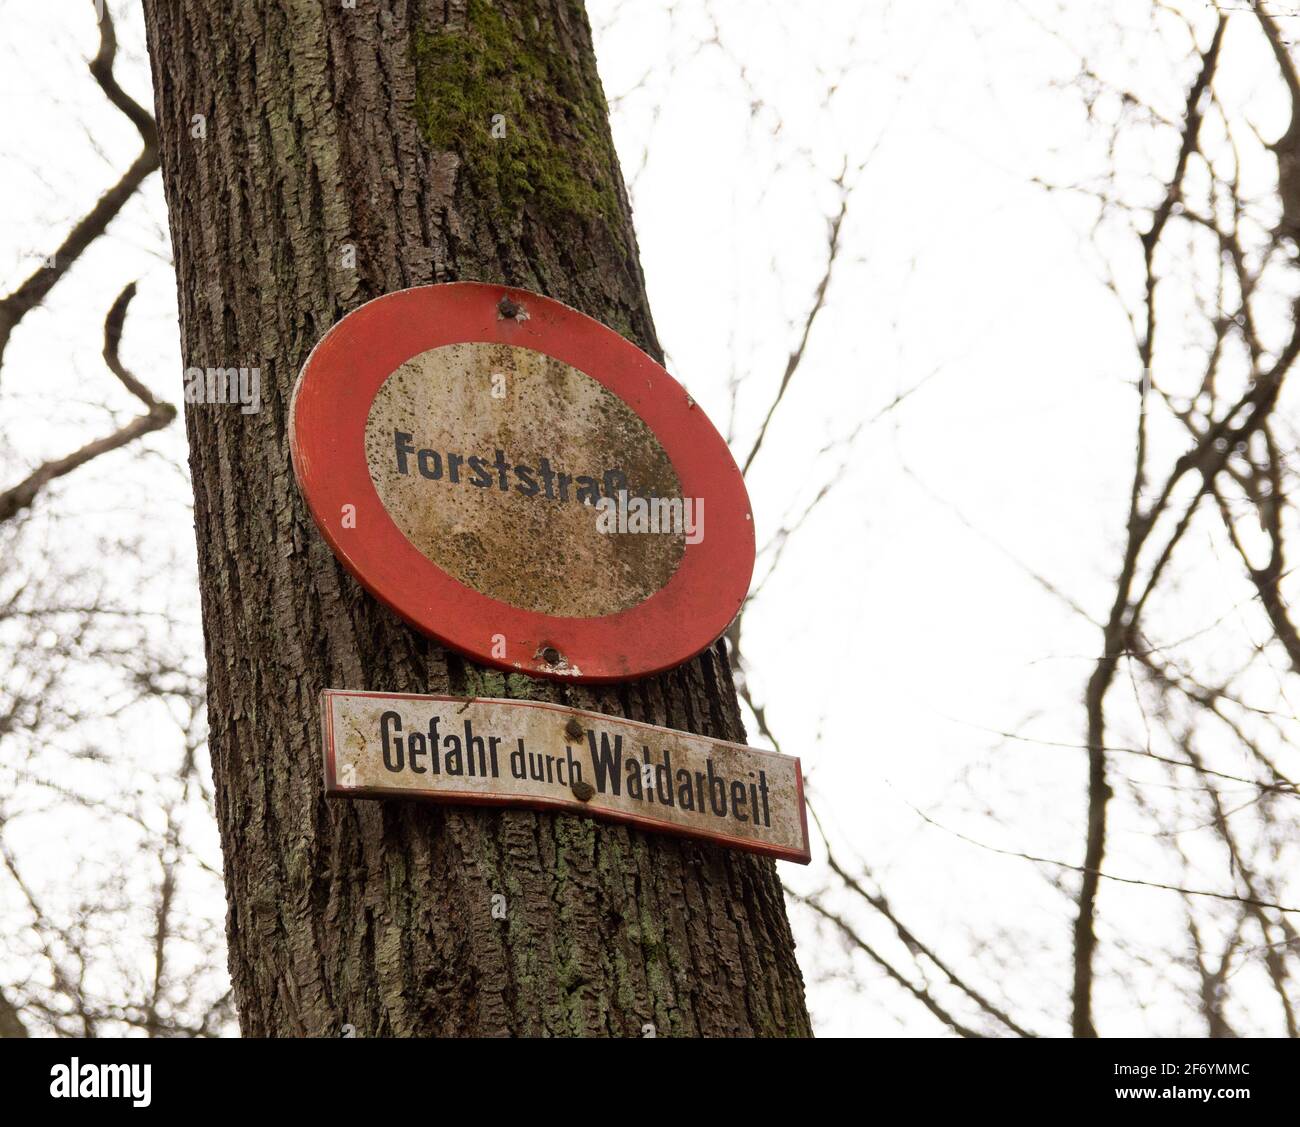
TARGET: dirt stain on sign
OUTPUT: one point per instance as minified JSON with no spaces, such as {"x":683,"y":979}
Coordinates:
{"x":490,"y":458}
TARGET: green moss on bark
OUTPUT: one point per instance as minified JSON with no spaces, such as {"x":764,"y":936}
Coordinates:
{"x":484,"y":682}
{"x":555,"y":153}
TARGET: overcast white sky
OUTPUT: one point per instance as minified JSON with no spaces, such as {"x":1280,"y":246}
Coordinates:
{"x":895,"y":641}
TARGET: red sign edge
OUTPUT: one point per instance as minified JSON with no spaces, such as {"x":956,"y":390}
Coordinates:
{"x":333,"y":790}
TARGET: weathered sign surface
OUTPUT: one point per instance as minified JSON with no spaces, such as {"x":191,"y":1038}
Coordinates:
{"x":522,"y":483}
{"x":546,"y":756}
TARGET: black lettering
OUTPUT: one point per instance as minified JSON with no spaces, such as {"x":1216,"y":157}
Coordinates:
{"x":664,"y":782}
{"x":606,"y":762}
{"x":453,"y":757}
{"x":423,"y":462}
{"x":474,"y":747}
{"x":433,"y":746}
{"x":586,"y":489}
{"x":548,"y":478}
{"x":575,"y":768}
{"x":684,"y":797}
{"x":394,"y":721}
{"x":614,"y":481}
{"x":415,"y":747}
{"x":527,"y":483}
{"x":503,"y":468}
{"x":738,"y":801}
{"x":717,"y":791}
{"x":402,"y":443}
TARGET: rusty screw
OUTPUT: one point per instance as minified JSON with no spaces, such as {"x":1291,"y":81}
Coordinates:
{"x":573,"y":729}
{"x":551,"y":655}
{"x":582,"y":791}
{"x":508,"y":308}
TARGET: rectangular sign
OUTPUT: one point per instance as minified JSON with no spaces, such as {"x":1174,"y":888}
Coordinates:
{"x":547,"y":756}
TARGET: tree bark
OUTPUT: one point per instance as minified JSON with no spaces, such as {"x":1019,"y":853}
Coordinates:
{"x":328,"y":128}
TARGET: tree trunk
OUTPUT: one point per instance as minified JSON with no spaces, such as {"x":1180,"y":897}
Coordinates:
{"x":349,"y":152}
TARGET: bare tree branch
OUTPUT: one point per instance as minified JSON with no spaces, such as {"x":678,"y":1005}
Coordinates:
{"x":157,"y":416}
{"x":33,"y":290}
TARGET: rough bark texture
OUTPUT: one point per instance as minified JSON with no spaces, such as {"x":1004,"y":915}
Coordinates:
{"x":329,"y":127}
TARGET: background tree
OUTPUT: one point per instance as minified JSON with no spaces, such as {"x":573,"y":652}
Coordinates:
{"x":1184,"y":187}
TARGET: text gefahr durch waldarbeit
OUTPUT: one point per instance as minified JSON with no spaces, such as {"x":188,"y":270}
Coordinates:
{"x":473,"y":755}
{"x":499,"y":472}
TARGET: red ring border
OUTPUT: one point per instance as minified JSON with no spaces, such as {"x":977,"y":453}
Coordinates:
{"x":327,"y":420}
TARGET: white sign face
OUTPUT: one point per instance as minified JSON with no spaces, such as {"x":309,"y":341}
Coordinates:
{"x":501,"y":492}
{"x":546,"y":756}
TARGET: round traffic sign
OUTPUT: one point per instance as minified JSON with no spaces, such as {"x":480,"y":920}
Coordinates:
{"x":520,"y":482}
